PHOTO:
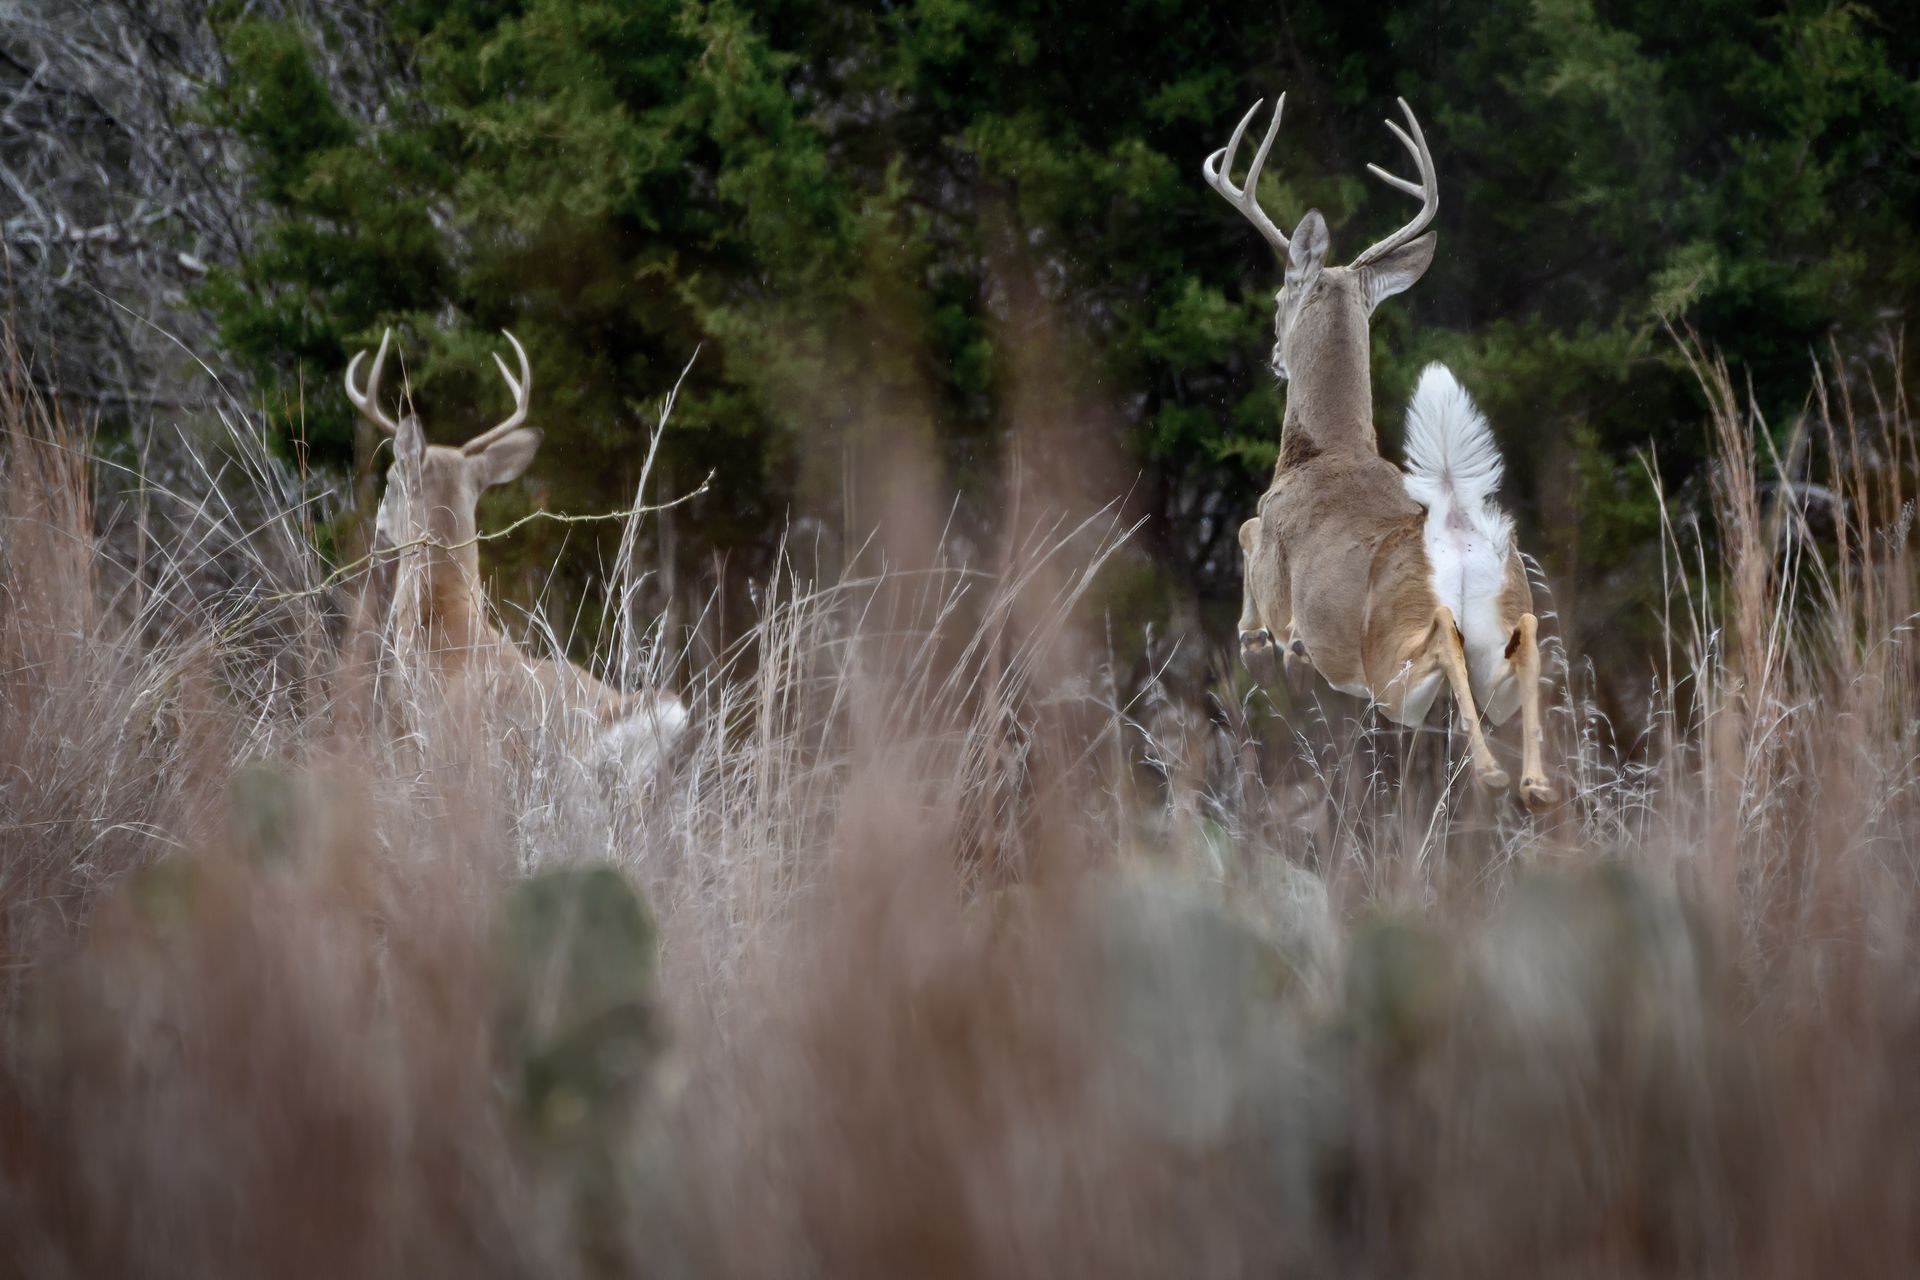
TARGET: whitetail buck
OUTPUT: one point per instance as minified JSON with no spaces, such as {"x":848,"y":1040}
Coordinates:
{"x":1387,"y":583}
{"x":430,"y":501}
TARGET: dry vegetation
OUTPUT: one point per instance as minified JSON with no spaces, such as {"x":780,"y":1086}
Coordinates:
{"x":936,"y":954}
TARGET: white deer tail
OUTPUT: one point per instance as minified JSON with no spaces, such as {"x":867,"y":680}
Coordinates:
{"x":639,"y":746}
{"x":1453,"y":465}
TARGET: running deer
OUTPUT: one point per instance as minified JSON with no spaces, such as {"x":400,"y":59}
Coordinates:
{"x":1388,"y":583}
{"x":430,"y":502}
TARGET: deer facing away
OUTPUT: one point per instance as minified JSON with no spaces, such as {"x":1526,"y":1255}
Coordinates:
{"x":430,"y":502}
{"x":1388,"y":583}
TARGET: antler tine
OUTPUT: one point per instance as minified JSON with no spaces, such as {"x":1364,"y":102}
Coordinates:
{"x":522,"y":390}
{"x":368,"y":401}
{"x":1218,"y":169}
{"x":1427,"y":189}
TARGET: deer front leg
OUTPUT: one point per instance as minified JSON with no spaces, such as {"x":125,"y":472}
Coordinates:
{"x":1535,"y":792}
{"x":1452,"y":658}
{"x":1256,"y":641}
{"x":1293,"y":656}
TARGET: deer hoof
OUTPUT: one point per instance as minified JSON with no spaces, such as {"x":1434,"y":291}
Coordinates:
{"x":1493,"y":778}
{"x":1297,"y":663}
{"x":1256,"y":651}
{"x":1535,"y":792}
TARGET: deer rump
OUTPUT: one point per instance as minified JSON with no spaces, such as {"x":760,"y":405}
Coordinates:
{"x":1363,"y":523}
{"x":1453,"y":469}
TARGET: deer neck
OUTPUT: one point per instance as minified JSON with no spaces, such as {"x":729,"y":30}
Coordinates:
{"x":1329,"y":386}
{"x":453,"y":610}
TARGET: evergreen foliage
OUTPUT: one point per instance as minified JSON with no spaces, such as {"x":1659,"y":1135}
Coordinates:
{"x":840,"y":206}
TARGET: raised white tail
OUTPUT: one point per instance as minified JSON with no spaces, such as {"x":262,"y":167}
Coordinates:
{"x":1453,"y":469}
{"x":638,"y":744}
{"x":1452,"y":460}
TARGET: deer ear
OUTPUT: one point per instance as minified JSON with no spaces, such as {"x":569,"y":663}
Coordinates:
{"x":409,"y":442}
{"x":1399,"y":270}
{"x":1308,"y":249}
{"x":507,"y":457}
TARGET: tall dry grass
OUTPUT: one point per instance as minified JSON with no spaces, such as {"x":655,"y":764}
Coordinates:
{"x":937,"y":951}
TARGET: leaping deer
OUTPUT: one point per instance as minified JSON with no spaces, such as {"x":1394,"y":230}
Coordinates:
{"x":1388,"y":583}
{"x":430,"y":502}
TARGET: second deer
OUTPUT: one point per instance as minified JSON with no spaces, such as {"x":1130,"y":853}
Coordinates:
{"x":1388,"y":583}
{"x":430,"y":504}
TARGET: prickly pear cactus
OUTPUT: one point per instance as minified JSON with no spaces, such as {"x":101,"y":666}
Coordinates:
{"x":578,"y":1025}
{"x":1191,"y":991}
{"x":581,"y":1040}
{"x":264,"y":811}
{"x":159,"y":895}
{"x":1598,"y":1016}
{"x":1402,"y":988}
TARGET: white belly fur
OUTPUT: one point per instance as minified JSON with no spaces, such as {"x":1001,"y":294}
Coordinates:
{"x":1419,"y":700}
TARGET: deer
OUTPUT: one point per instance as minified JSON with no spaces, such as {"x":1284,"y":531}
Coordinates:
{"x":431,"y":503}
{"x":1388,"y":583}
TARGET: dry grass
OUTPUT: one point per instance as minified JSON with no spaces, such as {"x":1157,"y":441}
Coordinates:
{"x":968,"y":962}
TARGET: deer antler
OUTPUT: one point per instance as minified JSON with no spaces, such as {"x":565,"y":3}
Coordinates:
{"x":1427,"y":189}
{"x":1219,"y":168}
{"x":521,"y":389}
{"x":368,"y":401}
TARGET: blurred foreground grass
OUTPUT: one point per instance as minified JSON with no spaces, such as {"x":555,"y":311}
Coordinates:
{"x":936,"y":954}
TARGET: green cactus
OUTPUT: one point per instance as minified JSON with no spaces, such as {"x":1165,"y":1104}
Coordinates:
{"x":1401,"y":988}
{"x":578,"y":1024}
{"x":161,"y":894}
{"x":264,"y":811}
{"x":580,"y":1034}
{"x":1192,"y":996}
{"x":1597,"y":1020}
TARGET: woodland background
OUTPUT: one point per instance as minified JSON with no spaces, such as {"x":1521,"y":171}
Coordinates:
{"x":867,"y":218}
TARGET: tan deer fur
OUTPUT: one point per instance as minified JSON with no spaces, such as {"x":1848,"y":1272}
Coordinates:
{"x":1337,"y":564}
{"x":429,"y":508}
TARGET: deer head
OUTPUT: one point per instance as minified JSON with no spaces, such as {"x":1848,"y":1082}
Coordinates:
{"x":1321,"y":312}
{"x":433,"y":490}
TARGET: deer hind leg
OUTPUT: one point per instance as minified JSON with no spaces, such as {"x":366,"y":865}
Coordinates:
{"x":1524,"y":653}
{"x":1437,"y":653}
{"x":1444,"y":648}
